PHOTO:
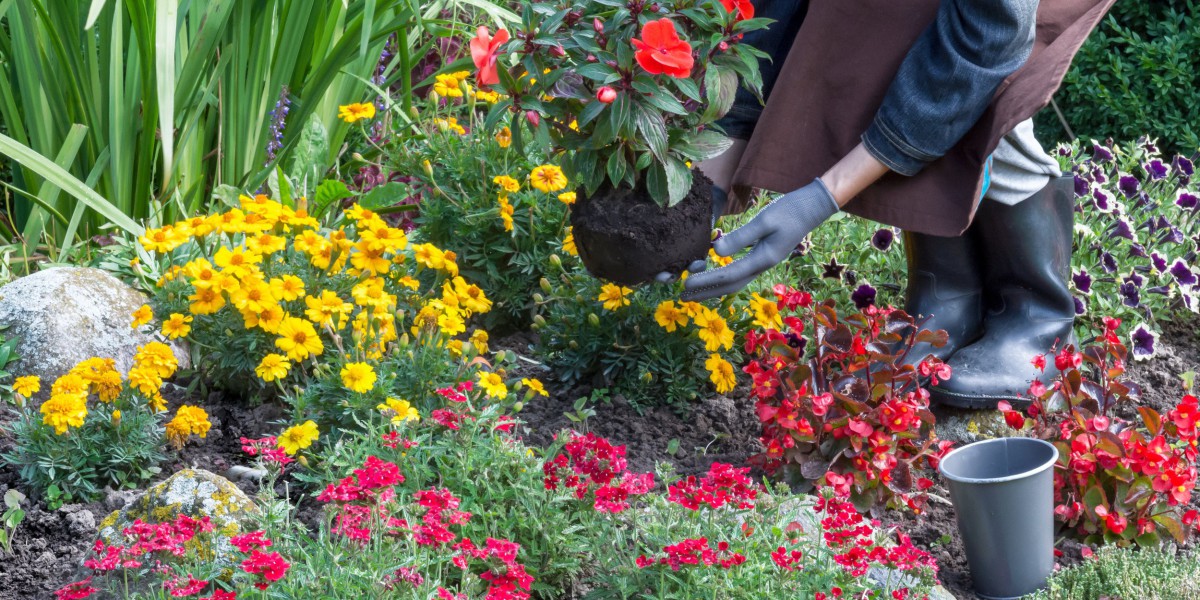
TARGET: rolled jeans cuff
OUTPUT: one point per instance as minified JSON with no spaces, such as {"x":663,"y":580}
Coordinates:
{"x":894,"y":152}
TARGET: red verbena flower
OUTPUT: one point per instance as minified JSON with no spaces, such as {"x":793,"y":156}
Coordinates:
{"x":660,"y":51}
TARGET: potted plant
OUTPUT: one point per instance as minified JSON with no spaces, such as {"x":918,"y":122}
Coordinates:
{"x":626,"y":93}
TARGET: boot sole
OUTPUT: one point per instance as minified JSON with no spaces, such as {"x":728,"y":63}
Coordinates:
{"x":942,"y":398}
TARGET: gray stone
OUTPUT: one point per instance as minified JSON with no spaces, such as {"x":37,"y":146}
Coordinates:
{"x":83,"y":520}
{"x":69,"y":314}
{"x":964,"y":426}
{"x":193,"y":492}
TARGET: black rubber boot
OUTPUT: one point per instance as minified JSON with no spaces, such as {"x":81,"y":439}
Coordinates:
{"x":945,"y":291}
{"x":1026,"y":258}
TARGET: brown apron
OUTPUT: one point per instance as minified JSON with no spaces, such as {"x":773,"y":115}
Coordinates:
{"x":834,"y":79}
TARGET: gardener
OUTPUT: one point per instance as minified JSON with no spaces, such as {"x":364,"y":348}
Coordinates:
{"x":917,"y":115}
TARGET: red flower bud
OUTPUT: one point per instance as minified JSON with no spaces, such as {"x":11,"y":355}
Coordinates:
{"x":533,"y":117}
{"x":723,"y":46}
{"x":606,"y":95}
{"x":557,"y":52}
{"x":598,"y":25}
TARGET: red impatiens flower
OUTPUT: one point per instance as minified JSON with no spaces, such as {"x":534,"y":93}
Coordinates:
{"x":741,"y":9}
{"x":485,"y":51}
{"x":661,"y":51}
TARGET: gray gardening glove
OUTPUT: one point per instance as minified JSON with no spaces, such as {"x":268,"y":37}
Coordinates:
{"x":773,"y":233}
{"x":719,"y":200}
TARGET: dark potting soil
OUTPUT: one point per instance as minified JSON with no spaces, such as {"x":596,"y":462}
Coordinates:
{"x":624,"y":236}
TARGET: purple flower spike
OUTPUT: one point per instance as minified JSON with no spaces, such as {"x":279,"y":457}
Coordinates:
{"x":1183,"y":273}
{"x":1083,"y":281}
{"x":1080,"y":306}
{"x":1130,"y":296}
{"x":1082,"y":187}
{"x":1108,"y":262}
{"x":1157,"y":169}
{"x":1103,"y":200}
{"x":1143,"y":342}
{"x":1100,"y":153}
{"x":882,"y":240}
{"x":1186,"y":200}
{"x":864,"y":296}
{"x":1129,"y":185}
{"x":1158,"y":262}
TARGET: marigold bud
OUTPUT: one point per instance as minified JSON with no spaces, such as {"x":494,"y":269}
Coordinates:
{"x":606,"y":95}
{"x":593,"y":319}
{"x":544,"y":284}
{"x":539,"y":320}
{"x":555,"y":260}
{"x":574,"y":345}
{"x":116,"y":418}
{"x":538,"y":298}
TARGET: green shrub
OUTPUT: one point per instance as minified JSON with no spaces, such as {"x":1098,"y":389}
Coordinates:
{"x":1125,"y":573}
{"x":1137,"y":74}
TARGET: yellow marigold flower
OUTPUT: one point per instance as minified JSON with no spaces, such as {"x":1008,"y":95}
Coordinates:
{"x":356,"y":111}
{"x":479,"y":339}
{"x":369,"y":258}
{"x":272,"y":367}
{"x":721,"y":373}
{"x":298,"y":339}
{"x":567,"y":198}
{"x":507,"y":183}
{"x":27,"y":385}
{"x":189,"y":420}
{"x":298,"y":437}
{"x":506,"y":213}
{"x":461,"y":75}
{"x":107,"y":386}
{"x":206,"y":301}
{"x":450,"y":321}
{"x":535,"y":386}
{"x":144,"y":381}
{"x":399,"y":410}
{"x":719,"y":260}
{"x":488,"y":96}
{"x":322,"y":309}
{"x":71,"y":383}
{"x":450,"y":124}
{"x":265,"y":243}
{"x":568,"y":244}
{"x":614,"y":296}
{"x":269,"y":319}
{"x":158,"y":358}
{"x":455,"y":347}
{"x":766,"y":313}
{"x":63,"y":411}
{"x":163,"y":239}
{"x":142,"y":315}
{"x":493,"y":384}
{"x":548,"y":178}
{"x":287,"y":288}
{"x":235,"y":261}
{"x":429,"y":256}
{"x":504,"y":137}
{"x":447,"y":86}
{"x":358,"y":377}
{"x":176,"y":326}
{"x":714,"y":331}
{"x":197,"y":226}
{"x":669,"y":316}
{"x":471,"y":296}
{"x":691,"y":309}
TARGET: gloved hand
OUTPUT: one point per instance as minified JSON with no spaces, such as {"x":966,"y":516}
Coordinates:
{"x":719,"y":200}
{"x":774,"y":232}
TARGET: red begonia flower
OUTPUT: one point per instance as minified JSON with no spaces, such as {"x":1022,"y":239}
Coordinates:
{"x":661,"y":51}
{"x":485,"y":51}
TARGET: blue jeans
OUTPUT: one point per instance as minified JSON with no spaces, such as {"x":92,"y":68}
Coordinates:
{"x":944,"y":84}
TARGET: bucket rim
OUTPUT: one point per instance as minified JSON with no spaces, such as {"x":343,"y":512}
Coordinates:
{"x":1013,"y":477}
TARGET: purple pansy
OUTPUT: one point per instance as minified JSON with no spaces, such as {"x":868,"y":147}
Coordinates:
{"x":1083,"y":281}
{"x":1183,"y":273}
{"x":863,"y":296}
{"x":1158,"y":262}
{"x":882,"y":240}
{"x":1157,"y":169}
{"x":1130,"y":296}
{"x":1129,"y":185}
{"x":1080,"y":305}
{"x":1100,"y":153}
{"x":1108,"y":262}
{"x":1143,"y":341}
{"x":1186,"y":200}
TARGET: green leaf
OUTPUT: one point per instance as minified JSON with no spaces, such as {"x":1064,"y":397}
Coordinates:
{"x":679,"y":181}
{"x":656,"y":182}
{"x":653,"y":128}
{"x":704,"y":145}
{"x":68,"y":183}
{"x":383,"y":196}
{"x":329,"y":192}
{"x":616,"y":167}
{"x":1093,"y":497}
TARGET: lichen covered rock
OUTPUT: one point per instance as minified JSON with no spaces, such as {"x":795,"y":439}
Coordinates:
{"x":193,"y":492}
{"x":66,"y":315}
